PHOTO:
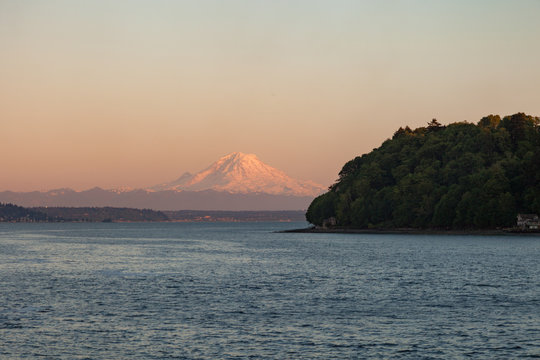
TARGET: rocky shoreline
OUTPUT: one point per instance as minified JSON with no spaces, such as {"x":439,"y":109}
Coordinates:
{"x":411,"y":231}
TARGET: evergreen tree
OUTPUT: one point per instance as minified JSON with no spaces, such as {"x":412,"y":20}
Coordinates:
{"x":457,"y":176}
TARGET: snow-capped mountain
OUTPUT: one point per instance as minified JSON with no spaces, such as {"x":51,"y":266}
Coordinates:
{"x":239,"y":173}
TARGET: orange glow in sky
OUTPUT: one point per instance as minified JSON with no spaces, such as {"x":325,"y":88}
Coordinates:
{"x":110,"y":94}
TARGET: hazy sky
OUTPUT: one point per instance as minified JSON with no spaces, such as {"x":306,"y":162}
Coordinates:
{"x":111,"y":93}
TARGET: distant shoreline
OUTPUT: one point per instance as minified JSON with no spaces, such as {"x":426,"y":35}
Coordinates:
{"x":16,"y":213}
{"x":410,"y":231}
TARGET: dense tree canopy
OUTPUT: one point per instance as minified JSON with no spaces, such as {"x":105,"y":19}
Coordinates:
{"x":457,"y":176}
{"x":11,"y":212}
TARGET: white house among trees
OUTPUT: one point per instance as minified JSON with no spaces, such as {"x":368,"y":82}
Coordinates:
{"x":528,"y":221}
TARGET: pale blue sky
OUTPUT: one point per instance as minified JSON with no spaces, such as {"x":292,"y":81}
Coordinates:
{"x":134,"y":93}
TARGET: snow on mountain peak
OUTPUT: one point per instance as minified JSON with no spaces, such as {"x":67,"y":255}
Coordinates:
{"x":242,"y":173}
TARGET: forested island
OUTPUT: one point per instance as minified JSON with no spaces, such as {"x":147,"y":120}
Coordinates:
{"x":15,"y":213}
{"x":459,"y":176}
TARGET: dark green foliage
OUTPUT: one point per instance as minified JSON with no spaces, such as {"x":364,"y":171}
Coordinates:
{"x":103,"y":214}
{"x":323,"y":207}
{"x":14,"y":213}
{"x":457,"y":176}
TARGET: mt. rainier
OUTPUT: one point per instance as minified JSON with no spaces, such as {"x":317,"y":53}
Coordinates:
{"x":240,"y":173}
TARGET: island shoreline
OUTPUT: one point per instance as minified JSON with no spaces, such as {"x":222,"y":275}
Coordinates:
{"x":411,"y":231}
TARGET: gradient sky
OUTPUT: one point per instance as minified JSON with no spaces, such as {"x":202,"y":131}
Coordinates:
{"x":134,"y":93}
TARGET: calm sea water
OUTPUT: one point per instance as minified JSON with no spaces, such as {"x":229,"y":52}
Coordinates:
{"x":239,"y":290}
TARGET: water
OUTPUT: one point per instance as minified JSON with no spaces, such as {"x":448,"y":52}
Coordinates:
{"x":239,"y":290}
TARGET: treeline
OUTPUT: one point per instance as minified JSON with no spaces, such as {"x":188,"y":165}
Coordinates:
{"x":221,"y":215}
{"x":454,"y":177}
{"x":101,"y":214}
{"x":15,"y":213}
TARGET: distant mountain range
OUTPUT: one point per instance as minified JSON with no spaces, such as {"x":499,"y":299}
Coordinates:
{"x":235,"y":182}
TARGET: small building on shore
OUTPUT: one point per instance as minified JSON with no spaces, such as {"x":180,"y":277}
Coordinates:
{"x":330,"y":222}
{"x":528,"y":222}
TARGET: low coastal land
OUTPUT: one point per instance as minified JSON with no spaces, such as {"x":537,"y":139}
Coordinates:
{"x":15,"y":213}
{"x":411,"y":231}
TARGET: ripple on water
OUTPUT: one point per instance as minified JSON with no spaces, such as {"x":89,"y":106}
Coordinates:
{"x":138,"y":291}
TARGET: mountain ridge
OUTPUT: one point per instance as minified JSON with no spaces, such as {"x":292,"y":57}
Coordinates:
{"x":236,"y":182}
{"x":159,"y":200}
